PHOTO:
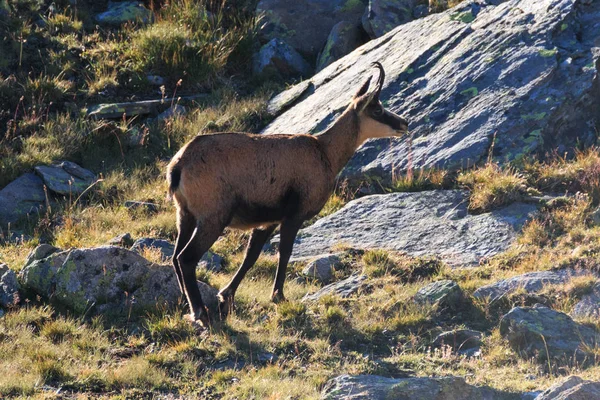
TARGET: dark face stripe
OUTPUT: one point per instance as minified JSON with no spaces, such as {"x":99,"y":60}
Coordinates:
{"x":392,"y":120}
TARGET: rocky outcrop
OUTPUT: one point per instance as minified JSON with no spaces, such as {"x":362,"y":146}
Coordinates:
{"x":373,"y":387}
{"x":425,"y":223}
{"x":305,"y":24}
{"x":573,"y":388}
{"x":125,"y":11}
{"x":545,"y":334}
{"x":462,"y":341}
{"x":106,"y":279}
{"x":278,"y":58}
{"x":531,"y":282}
{"x":463,"y":77}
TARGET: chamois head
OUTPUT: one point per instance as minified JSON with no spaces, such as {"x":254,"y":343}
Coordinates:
{"x":375,"y":120}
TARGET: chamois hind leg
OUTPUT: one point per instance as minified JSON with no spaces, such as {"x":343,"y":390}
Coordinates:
{"x":203,"y":237}
{"x":186,"y":224}
{"x":289,"y":229}
{"x":255,"y":245}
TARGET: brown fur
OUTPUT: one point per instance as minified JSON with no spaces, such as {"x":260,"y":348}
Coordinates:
{"x":249,"y":181}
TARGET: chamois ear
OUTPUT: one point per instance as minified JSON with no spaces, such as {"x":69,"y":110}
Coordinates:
{"x":363,"y":89}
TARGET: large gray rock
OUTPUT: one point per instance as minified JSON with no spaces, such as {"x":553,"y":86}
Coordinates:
{"x":424,"y":223}
{"x":344,"y":37}
{"x":65,"y":178}
{"x":344,"y":288}
{"x":531,"y":282}
{"x":305,"y":24}
{"x":573,"y":388}
{"x":373,"y":387}
{"x":107,"y":279}
{"x":547,"y":334}
{"x":9,"y":287}
{"x":382,"y":16}
{"x":23,"y":196}
{"x":464,"y":76}
{"x":125,"y":11}
{"x":277,"y":57}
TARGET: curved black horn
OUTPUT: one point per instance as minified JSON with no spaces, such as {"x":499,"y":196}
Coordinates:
{"x":378,"y":65}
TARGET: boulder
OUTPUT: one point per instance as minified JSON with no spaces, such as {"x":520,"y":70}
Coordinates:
{"x":125,"y":11}
{"x":462,"y":341}
{"x":344,"y":37}
{"x":419,"y":224}
{"x":22,"y":197}
{"x":107,"y":279}
{"x":305,"y":24}
{"x":573,"y":388}
{"x":344,"y":288}
{"x":278,"y":58}
{"x":546,"y":334}
{"x":589,"y":305}
{"x":445,"y":293}
{"x":65,"y":178}
{"x":322,"y":268}
{"x":373,"y":387}
{"x":531,"y":282}
{"x":463,"y":77}
{"x":382,"y":16}
{"x":9,"y":287}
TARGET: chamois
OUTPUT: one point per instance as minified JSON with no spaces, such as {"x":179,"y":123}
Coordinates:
{"x":248,"y":181}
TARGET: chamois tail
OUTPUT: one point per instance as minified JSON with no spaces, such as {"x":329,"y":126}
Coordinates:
{"x":173,"y":178}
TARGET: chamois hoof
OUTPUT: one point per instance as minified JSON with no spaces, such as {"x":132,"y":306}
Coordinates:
{"x":200,"y":323}
{"x":226,"y":305}
{"x":277,"y":297}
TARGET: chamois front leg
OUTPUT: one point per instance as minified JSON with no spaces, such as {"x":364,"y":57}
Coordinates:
{"x":185,"y":228}
{"x":202,"y":239}
{"x":289,"y":230}
{"x":255,"y":245}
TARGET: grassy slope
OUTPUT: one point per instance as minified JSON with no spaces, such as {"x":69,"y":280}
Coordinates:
{"x":380,"y":331}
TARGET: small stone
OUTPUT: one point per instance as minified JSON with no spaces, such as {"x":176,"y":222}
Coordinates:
{"x":145,"y":206}
{"x":278,"y":58}
{"x":166,"y":248}
{"x":211,"y":262}
{"x":344,"y":288}
{"x":127,"y":11}
{"x":123,"y":240}
{"x":155,"y":80}
{"x":460,"y":340}
{"x":322,"y":268}
{"x":40,"y":252}
{"x":175,"y":110}
{"x":9,"y":287}
{"x":446,"y":293}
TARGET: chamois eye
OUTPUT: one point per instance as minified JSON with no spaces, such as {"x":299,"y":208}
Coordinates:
{"x":378,"y":111}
